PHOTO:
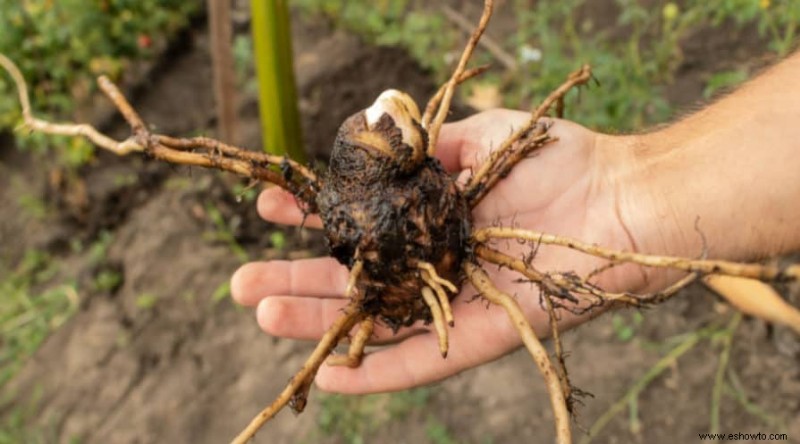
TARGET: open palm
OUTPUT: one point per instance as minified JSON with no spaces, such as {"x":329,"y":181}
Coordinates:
{"x":570,"y":187}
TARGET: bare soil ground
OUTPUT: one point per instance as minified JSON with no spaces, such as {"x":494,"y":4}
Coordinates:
{"x":184,"y":367}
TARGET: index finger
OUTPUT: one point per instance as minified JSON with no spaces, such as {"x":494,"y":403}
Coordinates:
{"x":280,"y":206}
{"x":463,"y":144}
{"x":453,"y":141}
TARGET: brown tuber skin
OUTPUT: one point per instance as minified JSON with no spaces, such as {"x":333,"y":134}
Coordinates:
{"x":387,"y":203}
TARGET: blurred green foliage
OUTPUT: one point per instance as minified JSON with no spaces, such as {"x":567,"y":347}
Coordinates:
{"x":634,"y":57}
{"x":223,"y":233}
{"x":36,"y":299}
{"x":62,"y":46}
{"x":32,"y":306}
{"x":427,"y":36}
{"x":352,"y":418}
{"x":626,"y":325}
{"x":637,"y":58}
{"x":14,"y":427}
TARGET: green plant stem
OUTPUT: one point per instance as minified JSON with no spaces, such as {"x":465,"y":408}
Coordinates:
{"x":719,"y":379}
{"x":277,"y":95}
{"x":223,"y":233}
{"x":734,"y":389}
{"x":655,"y":371}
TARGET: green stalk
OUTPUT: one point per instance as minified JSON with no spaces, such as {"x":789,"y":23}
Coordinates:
{"x":719,"y":379}
{"x":277,"y":95}
{"x":654,"y":372}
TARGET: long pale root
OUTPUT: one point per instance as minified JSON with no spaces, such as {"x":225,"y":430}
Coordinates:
{"x":356,"y":350}
{"x":528,"y":138}
{"x":447,"y":97}
{"x":195,"y":151}
{"x":703,"y":266}
{"x":482,"y":283}
{"x":438,"y":285}
{"x":439,"y":323}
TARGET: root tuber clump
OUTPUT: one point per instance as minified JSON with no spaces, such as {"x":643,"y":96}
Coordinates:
{"x":388,"y":204}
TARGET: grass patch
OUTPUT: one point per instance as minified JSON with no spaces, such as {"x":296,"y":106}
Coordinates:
{"x":61,"y":47}
{"x":634,"y":58}
{"x":32,"y":306}
{"x":352,"y":419}
{"x":146,"y":301}
{"x":223,"y":233}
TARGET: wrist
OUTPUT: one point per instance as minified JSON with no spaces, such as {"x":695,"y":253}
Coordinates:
{"x":695,"y":189}
{"x":648,"y":181}
{"x":732,"y":168}
{"x":664,"y":208}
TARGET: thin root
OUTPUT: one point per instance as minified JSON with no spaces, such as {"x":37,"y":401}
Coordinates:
{"x":444,"y":301}
{"x":434,"y":276}
{"x":296,"y":391}
{"x":528,"y":138}
{"x":356,"y":351}
{"x":576,"y":291}
{"x":493,"y":47}
{"x":700,"y":266}
{"x":350,"y":288}
{"x":197,"y":151}
{"x":438,"y":284}
{"x":504,"y":161}
{"x":434,"y":102}
{"x":447,"y":97}
{"x":568,"y":286}
{"x":438,"y":319}
{"x":555,"y":336}
{"x":482,"y":283}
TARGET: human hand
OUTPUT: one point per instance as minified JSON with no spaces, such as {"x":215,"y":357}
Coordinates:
{"x":570,"y":187}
